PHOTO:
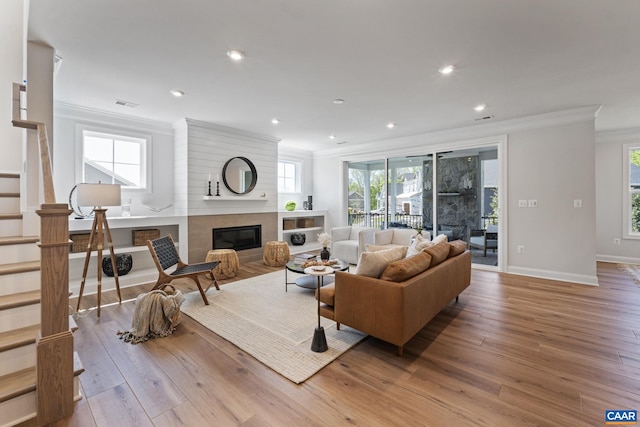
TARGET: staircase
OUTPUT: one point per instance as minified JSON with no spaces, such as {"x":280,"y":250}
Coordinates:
{"x":19,"y":309}
{"x":38,"y":368}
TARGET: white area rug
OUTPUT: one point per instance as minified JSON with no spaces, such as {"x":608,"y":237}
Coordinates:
{"x":274,"y":326}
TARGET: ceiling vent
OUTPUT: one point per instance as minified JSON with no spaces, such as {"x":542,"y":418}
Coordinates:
{"x":483,"y":118}
{"x":126,"y":104}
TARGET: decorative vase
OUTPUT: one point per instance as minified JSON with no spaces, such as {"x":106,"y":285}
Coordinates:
{"x":298,"y":238}
{"x":324,"y":254}
{"x":124,"y":262}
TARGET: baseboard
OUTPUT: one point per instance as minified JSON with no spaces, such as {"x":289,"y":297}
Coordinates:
{"x":582,"y":279}
{"x":617,"y":259}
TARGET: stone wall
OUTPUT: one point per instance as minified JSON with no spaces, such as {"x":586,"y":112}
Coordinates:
{"x":457,"y":186}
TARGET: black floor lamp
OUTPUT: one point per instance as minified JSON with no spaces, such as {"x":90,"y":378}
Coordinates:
{"x":99,"y":195}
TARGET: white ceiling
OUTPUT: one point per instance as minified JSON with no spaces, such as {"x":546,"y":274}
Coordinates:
{"x":520,"y":57}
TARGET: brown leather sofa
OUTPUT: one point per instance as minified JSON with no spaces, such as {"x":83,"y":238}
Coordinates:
{"x":393,"y":308}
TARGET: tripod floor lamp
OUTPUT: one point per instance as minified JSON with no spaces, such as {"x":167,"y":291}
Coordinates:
{"x":99,"y":195}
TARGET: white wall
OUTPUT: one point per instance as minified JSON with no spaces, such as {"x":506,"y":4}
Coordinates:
{"x":67,"y":122}
{"x":554,"y":165}
{"x":609,"y":195}
{"x":551,"y":158}
{"x":203,"y":148}
{"x":11,"y":71}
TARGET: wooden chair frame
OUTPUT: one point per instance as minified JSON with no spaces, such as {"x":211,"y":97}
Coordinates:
{"x":165,"y":255}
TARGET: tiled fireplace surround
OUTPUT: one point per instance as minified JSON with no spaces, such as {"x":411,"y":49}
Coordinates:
{"x":200,"y":239}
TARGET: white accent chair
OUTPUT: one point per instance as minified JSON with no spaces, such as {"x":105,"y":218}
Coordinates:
{"x":484,"y":239}
{"x":397,"y":236}
{"x":348,"y":242}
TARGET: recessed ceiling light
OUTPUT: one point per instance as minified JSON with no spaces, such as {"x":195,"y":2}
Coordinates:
{"x":391,"y":125}
{"x":236,"y":55}
{"x":447,"y":69}
{"x":332,"y":137}
{"x":338,"y":101}
{"x":177,"y":93}
{"x":275,"y":121}
{"x":480,"y":107}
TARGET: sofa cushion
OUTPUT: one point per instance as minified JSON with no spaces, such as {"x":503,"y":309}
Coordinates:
{"x":438,"y":252}
{"x":372,"y":264}
{"x":327,"y":294}
{"x":456,"y":248}
{"x":355,"y":232}
{"x":403,"y":269}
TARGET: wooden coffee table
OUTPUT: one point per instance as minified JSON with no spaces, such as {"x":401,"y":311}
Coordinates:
{"x":310,"y":282}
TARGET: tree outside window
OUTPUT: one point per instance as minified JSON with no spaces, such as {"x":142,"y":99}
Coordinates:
{"x":634,"y":188}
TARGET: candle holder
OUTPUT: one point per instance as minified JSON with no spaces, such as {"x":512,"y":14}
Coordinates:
{"x":209,"y":193}
{"x":217,"y":188}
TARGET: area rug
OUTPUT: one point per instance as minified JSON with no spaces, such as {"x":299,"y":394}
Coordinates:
{"x":632,"y":270}
{"x":274,"y":326}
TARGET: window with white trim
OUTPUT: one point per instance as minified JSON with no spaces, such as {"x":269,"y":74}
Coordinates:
{"x":114,"y":159}
{"x":631,"y":202}
{"x":288,"y":177}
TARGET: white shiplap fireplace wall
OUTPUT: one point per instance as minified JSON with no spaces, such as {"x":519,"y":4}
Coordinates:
{"x":201,"y":149}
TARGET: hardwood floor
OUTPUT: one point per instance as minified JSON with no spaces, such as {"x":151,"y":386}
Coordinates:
{"x":515,"y":351}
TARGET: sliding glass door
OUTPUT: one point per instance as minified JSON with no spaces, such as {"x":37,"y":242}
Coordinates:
{"x":466,"y":200}
{"x":447,"y":192}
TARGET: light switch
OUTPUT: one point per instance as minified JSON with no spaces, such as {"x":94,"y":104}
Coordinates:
{"x":533,"y":203}
{"x":522,"y":203}
{"x":577,"y":203}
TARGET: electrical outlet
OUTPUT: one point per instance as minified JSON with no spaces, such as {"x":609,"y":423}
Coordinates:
{"x":533,"y":203}
{"x":616,"y":241}
{"x":520,"y":249}
{"x":522,"y":203}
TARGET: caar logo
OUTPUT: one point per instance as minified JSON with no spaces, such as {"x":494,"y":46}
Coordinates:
{"x":620,"y":417}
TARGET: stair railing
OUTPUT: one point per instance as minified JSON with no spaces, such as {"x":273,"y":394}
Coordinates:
{"x":54,"y":344}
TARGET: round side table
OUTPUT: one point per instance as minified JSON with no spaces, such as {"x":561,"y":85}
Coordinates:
{"x":228,"y":258}
{"x":276,"y":254}
{"x":319,"y":343}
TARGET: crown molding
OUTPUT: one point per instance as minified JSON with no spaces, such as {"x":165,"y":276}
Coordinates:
{"x":76,"y":112}
{"x":482,"y":130}
{"x":221,"y":130}
{"x":620,"y":135}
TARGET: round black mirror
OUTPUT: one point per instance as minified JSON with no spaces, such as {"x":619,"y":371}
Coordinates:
{"x":239,"y":175}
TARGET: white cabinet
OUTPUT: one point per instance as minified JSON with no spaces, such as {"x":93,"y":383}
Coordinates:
{"x":309,"y":223}
{"x":143,"y":270}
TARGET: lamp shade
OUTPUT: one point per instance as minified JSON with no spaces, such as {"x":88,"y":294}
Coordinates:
{"x":98,"y":195}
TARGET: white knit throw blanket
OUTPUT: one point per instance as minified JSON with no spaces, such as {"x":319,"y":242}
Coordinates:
{"x":157,"y":313}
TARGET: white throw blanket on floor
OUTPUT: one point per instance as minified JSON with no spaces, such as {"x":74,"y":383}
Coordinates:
{"x":157,"y":313}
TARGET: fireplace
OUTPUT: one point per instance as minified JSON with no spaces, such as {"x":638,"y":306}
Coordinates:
{"x":238,"y":238}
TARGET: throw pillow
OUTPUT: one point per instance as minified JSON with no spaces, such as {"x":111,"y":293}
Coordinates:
{"x":438,"y":253}
{"x":372,"y":264}
{"x":418,"y":244}
{"x":456,"y":248}
{"x":406,"y":268}
{"x":376,"y":248}
{"x":440,"y":238}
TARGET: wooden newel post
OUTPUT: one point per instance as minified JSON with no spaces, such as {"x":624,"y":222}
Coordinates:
{"x":54,"y":344}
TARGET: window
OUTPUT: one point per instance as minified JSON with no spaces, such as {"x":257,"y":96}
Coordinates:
{"x":288,"y":177}
{"x":631,"y":202}
{"x":114,"y":159}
